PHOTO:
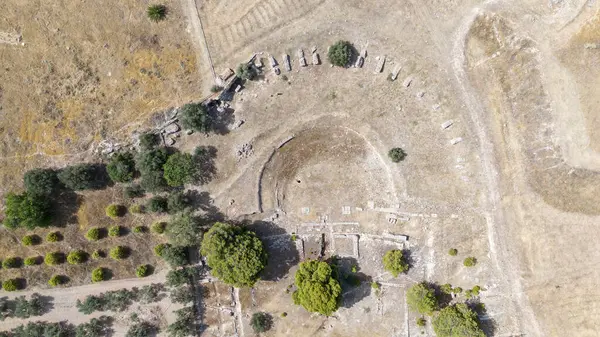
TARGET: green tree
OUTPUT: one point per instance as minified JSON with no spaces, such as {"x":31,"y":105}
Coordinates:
{"x":397,"y":154}
{"x":29,"y":308}
{"x":457,"y":320}
{"x":194,"y":116}
{"x":121,"y":168}
{"x":157,"y":204}
{"x":151,"y":160}
{"x":141,"y":329}
{"x":40,"y":181}
{"x":261,"y":322}
{"x":157,"y":12}
{"x":26,"y":210}
{"x":78,"y":177}
{"x":421,"y":298}
{"x":183,"y":294}
{"x":341,"y":53}
{"x":235,"y":254}
{"x":185,"y":323}
{"x":184,"y":230}
{"x":133,"y":191}
{"x":318,"y":287}
{"x":149,"y":141}
{"x":179,"y":169}
{"x":175,"y":256}
{"x":96,"y":327}
{"x":180,"y":277}
{"x":246,"y":71}
{"x":177,"y":202}
{"x":393,"y":261}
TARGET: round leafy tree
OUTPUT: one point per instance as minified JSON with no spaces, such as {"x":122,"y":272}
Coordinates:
{"x":457,"y":320}
{"x":12,"y":262}
{"x":115,"y":211}
{"x":40,"y":181}
{"x":470,"y":261}
{"x":119,"y":252}
{"x":452,"y":251}
{"x":26,"y":210}
{"x":179,"y":169}
{"x":194,"y":116}
{"x":115,"y":231}
{"x":77,"y":257}
{"x":142,"y":270}
{"x":99,"y":274}
{"x":159,"y":249}
{"x":121,"y":168}
{"x":10,"y":285}
{"x":157,"y":12}
{"x":57,"y":280}
{"x":318,"y":287}
{"x":158,"y":227}
{"x":53,"y":237}
{"x":421,"y":298}
{"x":393,"y":261}
{"x":235,"y":254}
{"x":261,"y":322}
{"x":78,"y":177}
{"x":149,"y":140}
{"x":53,"y":258}
{"x":157,"y":204}
{"x":94,"y":234}
{"x":397,"y":154}
{"x":32,"y":260}
{"x":341,"y":53}
{"x":246,"y":71}
{"x":30,"y":240}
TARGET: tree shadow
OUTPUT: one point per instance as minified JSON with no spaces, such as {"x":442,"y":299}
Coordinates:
{"x":486,"y":323}
{"x":282,"y":253}
{"x":408,"y":258}
{"x":355,"y":284}
{"x":204,"y":202}
{"x":101,"y":178}
{"x":221,"y":117}
{"x":204,"y":156}
{"x":65,"y":205}
{"x":443,"y":298}
{"x":47,"y":303}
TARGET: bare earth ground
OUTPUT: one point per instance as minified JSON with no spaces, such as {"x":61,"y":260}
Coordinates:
{"x":519,"y":192}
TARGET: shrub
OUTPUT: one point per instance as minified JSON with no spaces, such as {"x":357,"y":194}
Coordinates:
{"x":457,"y":290}
{"x":136,"y":209}
{"x":26,"y":210}
{"x":246,"y":71}
{"x":149,"y":141}
{"x":53,"y":258}
{"x":175,"y":256}
{"x":141,"y":329}
{"x":98,"y":254}
{"x":159,"y":249}
{"x":393,"y":261}
{"x":397,"y":154}
{"x":12,"y":262}
{"x":179,"y":277}
{"x":157,"y":204}
{"x":158,"y":227}
{"x":194,"y":116}
{"x":11,"y":285}
{"x":184,"y":230}
{"x":119,"y":252}
{"x":318,"y":287}
{"x":421,"y":298}
{"x":341,"y":53}
{"x":115,"y":211}
{"x":115,"y":231}
{"x":78,"y":177}
{"x":121,"y":168}
{"x":32,"y":261}
{"x":133,"y":191}
{"x":470,"y":261}
{"x":453,"y":252}
{"x":283,"y":314}
{"x":30,"y":240}
{"x":40,"y":181}
{"x":375,"y":285}
{"x":157,"y":12}
{"x":421,"y":322}
{"x":77,"y":257}
{"x":143,"y":270}
{"x":179,"y":169}
{"x":29,"y":308}
{"x":261,"y":322}
{"x":151,"y":160}
{"x":140,"y":229}
{"x":99,"y":274}
{"x":446,"y":288}
{"x":215,"y":88}
{"x":457,"y":320}
{"x":177,"y":202}
{"x":95,"y":234}
{"x":235,"y":254}
{"x":154,"y":181}
{"x":54,"y":237}
{"x":57,"y":280}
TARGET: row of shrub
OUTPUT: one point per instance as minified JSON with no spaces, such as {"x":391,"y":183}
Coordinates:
{"x":96,"y":327}
{"x":173,"y":203}
{"x":120,"y":300}
{"x":22,"y":307}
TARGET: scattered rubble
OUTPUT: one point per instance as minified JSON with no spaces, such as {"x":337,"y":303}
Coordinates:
{"x":456,"y":140}
{"x":380,"y":64}
{"x":244,"y":151}
{"x":447,"y":124}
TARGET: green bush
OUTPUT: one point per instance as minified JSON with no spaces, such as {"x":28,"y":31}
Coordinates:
{"x":421,"y":298}
{"x":457,"y":320}
{"x":375,"y":285}
{"x":98,"y":254}
{"x":318,"y":287}
{"x":115,"y":231}
{"x":175,"y":256}
{"x":99,"y":274}
{"x":261,"y":322}
{"x":95,"y":234}
{"x":177,"y":202}
{"x":54,"y":237}
{"x":157,"y":12}
{"x":149,"y":141}
{"x":157,"y":204}
{"x":25,"y":210}
{"x":246,"y":71}
{"x":457,"y":290}
{"x":470,"y":261}
{"x":143,"y":270}
{"x":121,"y":168}
{"x":115,"y":211}
{"x":136,"y":209}
{"x":421,"y":322}
{"x":133,"y":191}
{"x":235,"y":254}
{"x":30,"y":240}
{"x":12,"y":262}
{"x":194,"y":116}
{"x":215,"y":88}
{"x":32,"y":261}
{"x":53,"y":258}
{"x":453,"y":252}
{"x":140,"y":229}
{"x":119,"y":252}
{"x":158,"y":227}
{"x":159,"y":249}
{"x":179,"y":169}
{"x":40,"y":181}
{"x":446,"y":288}
{"x":394,"y":262}
{"x":397,"y":154}
{"x":11,"y":285}
{"x":77,"y":257}
{"x":57,"y":280}
{"x":78,"y":177}
{"x":341,"y":53}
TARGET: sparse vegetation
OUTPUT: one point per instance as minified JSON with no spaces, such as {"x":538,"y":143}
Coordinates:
{"x":341,"y":53}
{"x":421,"y":321}
{"x":215,"y":88}
{"x":470,"y":261}
{"x":397,"y":154}
{"x":453,"y":252}
{"x":318,"y":287}
{"x":159,"y":249}
{"x":457,"y":320}
{"x":140,"y":229}
{"x":421,"y":298}
{"x":149,"y":141}
{"x":158,"y":227}
{"x":136,"y":209}
{"x":157,"y":13}
{"x":261,"y":322}
{"x":394,"y":262}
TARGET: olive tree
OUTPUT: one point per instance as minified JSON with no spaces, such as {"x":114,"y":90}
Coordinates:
{"x":40,"y":181}
{"x":78,"y":177}
{"x":179,"y":169}
{"x":394,"y":262}
{"x":25,"y":210}
{"x":318,"y":287}
{"x":456,"y":321}
{"x":194,"y":116}
{"x":184,"y":230}
{"x":341,"y":53}
{"x":121,"y":168}
{"x":421,"y":298}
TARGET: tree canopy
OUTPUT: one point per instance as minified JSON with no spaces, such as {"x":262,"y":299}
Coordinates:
{"x":318,"y":287}
{"x":24,"y":210}
{"x":246,"y":71}
{"x":235,"y":254}
{"x":421,"y":298}
{"x":121,"y":168}
{"x":194,"y":116}
{"x":40,"y":181}
{"x":457,"y":320}
{"x":184,"y":230}
{"x":394,"y":262}
{"x":341,"y":53}
{"x":78,"y":177}
{"x":179,"y":169}
{"x":150,"y":164}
